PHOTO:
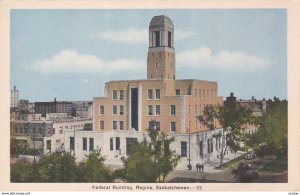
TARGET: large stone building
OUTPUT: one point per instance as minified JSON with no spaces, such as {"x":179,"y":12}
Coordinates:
{"x":129,"y":108}
{"x":173,"y":104}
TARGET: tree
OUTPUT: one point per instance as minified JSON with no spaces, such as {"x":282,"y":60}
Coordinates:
{"x":139,"y":167}
{"x":232,"y":118}
{"x":57,"y":167}
{"x":151,"y":160}
{"x":165,"y":159}
{"x":17,"y":147}
{"x":21,"y":171}
{"x":93,"y":169}
{"x":243,"y":173}
{"x":271,"y":138}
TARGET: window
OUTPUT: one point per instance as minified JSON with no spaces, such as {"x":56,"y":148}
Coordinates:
{"x":172,"y":110}
{"x":121,"y":94}
{"x":208,"y":146}
{"x":121,"y":110}
{"x":114,"y":110}
{"x":196,"y":93}
{"x":150,"y":125}
{"x":150,"y":94}
{"x":211,"y":145}
{"x":49,"y":145}
{"x":157,"y":94}
{"x":183,"y":149}
{"x":129,"y":143}
{"x":201,"y":148}
{"x":121,"y":125}
{"x":200,"y":93}
{"x":169,"y":39}
{"x":117,"y":143}
{"x":114,"y":95}
{"x":72,"y":143}
{"x":157,"y":127}
{"x":91,"y":144}
{"x":150,"y":110}
{"x":84,"y":143}
{"x":177,"y":91}
{"x":111,"y":144}
{"x":102,"y":125}
{"x":114,"y":125}
{"x":157,"y":110}
{"x":101,"y":109}
{"x":173,"y":127}
{"x":157,"y":39}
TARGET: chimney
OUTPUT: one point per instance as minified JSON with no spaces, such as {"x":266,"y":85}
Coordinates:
{"x":15,"y":87}
{"x":55,"y":99}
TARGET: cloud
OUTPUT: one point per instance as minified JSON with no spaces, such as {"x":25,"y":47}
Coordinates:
{"x":200,"y":58}
{"x":136,"y":36}
{"x":131,"y":35}
{"x":70,"y":61}
{"x":183,"y":34}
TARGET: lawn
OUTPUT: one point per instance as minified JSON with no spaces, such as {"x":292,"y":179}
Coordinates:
{"x":276,"y":166}
{"x":231,"y":163}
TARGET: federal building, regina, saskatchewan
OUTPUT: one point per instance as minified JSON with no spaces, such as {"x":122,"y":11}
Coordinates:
{"x":160,"y":102}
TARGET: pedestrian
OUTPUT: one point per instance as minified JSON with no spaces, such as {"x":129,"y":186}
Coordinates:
{"x":197,"y":167}
{"x":202,"y":168}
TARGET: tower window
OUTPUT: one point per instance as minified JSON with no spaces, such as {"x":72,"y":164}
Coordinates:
{"x":157,"y":38}
{"x":169,"y":39}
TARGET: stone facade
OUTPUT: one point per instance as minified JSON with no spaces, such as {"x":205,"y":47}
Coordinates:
{"x":130,"y":107}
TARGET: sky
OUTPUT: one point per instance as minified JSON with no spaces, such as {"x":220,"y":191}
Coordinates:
{"x":70,"y":54}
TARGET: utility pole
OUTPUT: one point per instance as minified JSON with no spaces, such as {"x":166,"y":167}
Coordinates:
{"x":189,"y":132}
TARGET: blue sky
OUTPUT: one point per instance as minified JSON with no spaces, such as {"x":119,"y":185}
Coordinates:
{"x":70,"y":54}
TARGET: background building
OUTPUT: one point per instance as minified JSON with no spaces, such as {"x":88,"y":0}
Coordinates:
{"x":53,"y":107}
{"x":14,"y":97}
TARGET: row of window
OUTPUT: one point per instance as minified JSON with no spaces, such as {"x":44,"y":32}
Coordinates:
{"x":117,"y":143}
{"x":206,"y":94}
{"x":115,"y":94}
{"x":114,"y":125}
{"x":155,"y":125}
{"x":172,"y":110}
{"x":85,"y":145}
{"x":114,"y":110}
{"x":210,"y":147}
{"x":150,"y":94}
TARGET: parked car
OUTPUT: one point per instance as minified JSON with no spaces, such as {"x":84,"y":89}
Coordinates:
{"x":250,"y":155}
